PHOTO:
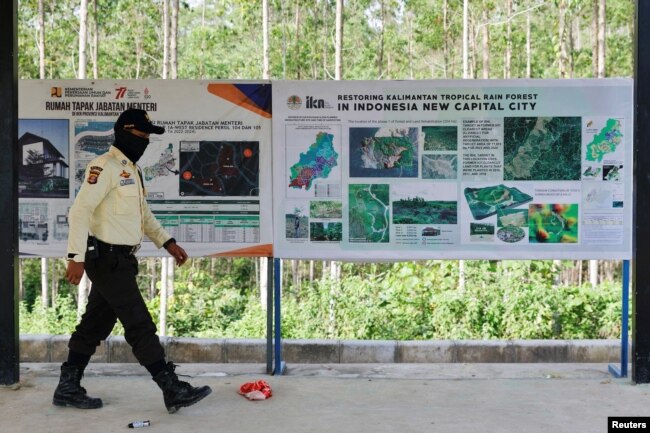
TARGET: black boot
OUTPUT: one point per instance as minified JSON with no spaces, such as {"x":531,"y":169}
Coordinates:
{"x":70,"y":393}
{"x":178,"y":394}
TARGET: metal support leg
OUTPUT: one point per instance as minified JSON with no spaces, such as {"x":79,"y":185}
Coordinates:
{"x":269,"y":314}
{"x":277,"y":288}
{"x":622,"y":372}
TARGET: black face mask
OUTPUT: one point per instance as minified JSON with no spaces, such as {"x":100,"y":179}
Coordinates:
{"x":131,"y":145}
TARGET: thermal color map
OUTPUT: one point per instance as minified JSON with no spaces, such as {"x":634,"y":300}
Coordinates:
{"x":316,"y":163}
{"x":219,"y":168}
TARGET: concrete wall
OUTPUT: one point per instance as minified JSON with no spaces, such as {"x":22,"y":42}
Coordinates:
{"x":49,"y":348}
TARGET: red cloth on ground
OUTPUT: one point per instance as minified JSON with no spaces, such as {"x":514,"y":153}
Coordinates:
{"x":258,"y":390}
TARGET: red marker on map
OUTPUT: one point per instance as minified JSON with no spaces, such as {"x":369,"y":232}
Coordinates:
{"x":187,"y":175}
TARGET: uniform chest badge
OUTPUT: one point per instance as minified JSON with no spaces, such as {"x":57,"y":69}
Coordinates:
{"x":93,"y":174}
{"x":125,"y":174}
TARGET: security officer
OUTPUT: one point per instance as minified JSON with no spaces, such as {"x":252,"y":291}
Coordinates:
{"x":107,"y":222}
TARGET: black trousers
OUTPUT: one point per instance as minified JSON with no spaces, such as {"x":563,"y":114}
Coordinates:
{"x":114,"y":295}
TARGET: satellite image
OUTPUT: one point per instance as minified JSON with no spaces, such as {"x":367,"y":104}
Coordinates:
{"x":440,"y":138}
{"x":386,"y":152}
{"x":369,"y":213}
{"x":542,"y":148}
{"x":439,"y":166}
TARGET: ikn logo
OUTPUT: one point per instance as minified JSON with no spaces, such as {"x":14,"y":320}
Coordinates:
{"x":121,"y":91}
{"x":310,"y":102}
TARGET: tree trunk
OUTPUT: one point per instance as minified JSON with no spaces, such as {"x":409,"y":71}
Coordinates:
{"x":311,"y":273}
{"x":45,"y":301}
{"x":54,"y":282}
{"x":21,"y":286}
{"x":338,"y":61}
{"x":580,"y":272}
{"x":325,"y":40}
{"x":165,"y":60}
{"x":151,"y":268}
{"x":54,"y":290}
{"x":445,"y":47}
{"x":594,"y":43}
{"x":170,"y":276}
{"x":380,"y":54}
{"x":162,"y":326}
{"x":601,"y":38}
{"x":465,"y":38}
{"x":557,"y":273}
{"x":297,"y":41}
{"x":486,"y":44}
{"x":295,"y":275}
{"x":508,"y":59}
{"x":95,"y":42}
{"x":562,"y":38}
{"x":41,"y":40}
{"x":264,"y":280}
{"x":471,"y":46}
{"x":593,"y":273}
{"x":335,"y":282}
{"x":461,"y":275}
{"x":83,"y":34}
{"x":265,"y":40}
{"x":173,"y":51}
{"x":529,"y":71}
{"x":283,"y":11}
{"x":571,"y":48}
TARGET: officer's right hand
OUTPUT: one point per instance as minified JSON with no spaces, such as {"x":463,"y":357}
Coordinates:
{"x":75,"y":272}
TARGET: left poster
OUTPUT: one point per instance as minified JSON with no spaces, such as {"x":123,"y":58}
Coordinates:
{"x":207,"y":179}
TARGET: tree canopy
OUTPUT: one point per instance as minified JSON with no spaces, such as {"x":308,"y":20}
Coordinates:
{"x":383,"y":39}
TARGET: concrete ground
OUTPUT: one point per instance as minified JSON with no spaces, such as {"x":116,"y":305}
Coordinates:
{"x":341,"y":398}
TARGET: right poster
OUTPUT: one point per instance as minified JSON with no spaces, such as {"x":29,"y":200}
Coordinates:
{"x":452,"y":169}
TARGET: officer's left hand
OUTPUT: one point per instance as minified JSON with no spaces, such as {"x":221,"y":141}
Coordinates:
{"x":177,"y":252}
{"x":74,"y":272}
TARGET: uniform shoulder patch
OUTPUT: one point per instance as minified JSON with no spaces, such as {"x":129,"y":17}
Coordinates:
{"x":93,"y":174}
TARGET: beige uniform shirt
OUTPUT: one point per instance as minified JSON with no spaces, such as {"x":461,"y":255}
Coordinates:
{"x":111,"y":206}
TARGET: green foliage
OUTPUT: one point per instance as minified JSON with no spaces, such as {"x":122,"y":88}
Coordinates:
{"x":60,"y":320}
{"x":395,"y":301}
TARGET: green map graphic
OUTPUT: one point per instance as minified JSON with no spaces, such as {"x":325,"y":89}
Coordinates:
{"x":606,"y":141}
{"x":317,"y":162}
{"x":542,"y":148}
{"x":369,"y":213}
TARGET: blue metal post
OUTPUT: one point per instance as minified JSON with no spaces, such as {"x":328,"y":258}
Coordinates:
{"x":269,"y":314}
{"x":625,"y":313}
{"x":277,"y":291}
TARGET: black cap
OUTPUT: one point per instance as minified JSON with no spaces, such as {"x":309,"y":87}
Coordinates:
{"x":137,"y":119}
